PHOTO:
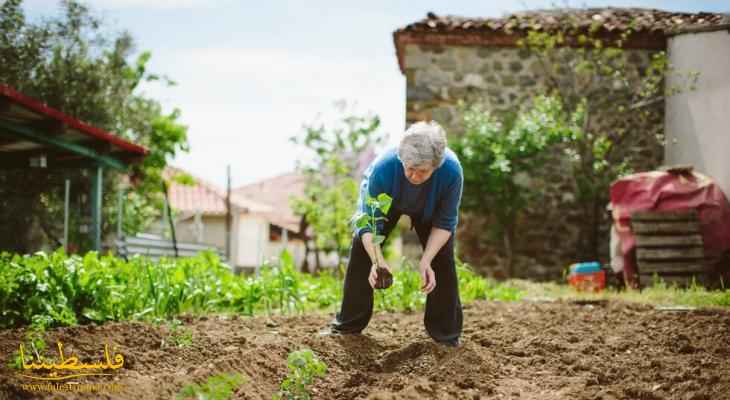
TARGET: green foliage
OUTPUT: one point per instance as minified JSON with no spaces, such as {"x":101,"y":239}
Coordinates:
{"x":406,"y":294}
{"x":378,"y":207}
{"x":47,"y":290}
{"x":331,"y":190}
{"x":33,"y":346}
{"x":497,"y":156}
{"x":658,"y":293}
{"x":615,"y":92}
{"x":304,"y":367}
{"x":73,"y":63}
{"x":474,"y":287}
{"x":217,"y":387}
{"x":179,"y":335}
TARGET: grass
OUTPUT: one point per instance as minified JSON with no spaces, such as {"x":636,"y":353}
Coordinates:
{"x":659,"y":294}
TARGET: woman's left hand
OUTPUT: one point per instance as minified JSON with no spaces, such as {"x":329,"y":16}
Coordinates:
{"x":427,"y":277}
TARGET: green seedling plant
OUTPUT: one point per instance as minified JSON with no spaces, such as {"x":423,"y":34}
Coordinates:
{"x":216,"y":387}
{"x":180,"y":336}
{"x":304,"y":367}
{"x":34,"y":345}
{"x":377,"y":208}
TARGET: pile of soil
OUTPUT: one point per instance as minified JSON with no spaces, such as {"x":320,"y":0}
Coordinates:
{"x":519,"y":350}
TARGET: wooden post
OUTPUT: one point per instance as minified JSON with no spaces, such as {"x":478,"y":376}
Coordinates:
{"x":229,"y":215}
{"x":168,"y":210}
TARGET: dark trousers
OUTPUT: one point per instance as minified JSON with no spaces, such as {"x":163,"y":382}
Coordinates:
{"x":443,"y":318}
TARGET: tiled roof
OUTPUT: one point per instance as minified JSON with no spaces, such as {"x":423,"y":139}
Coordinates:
{"x":609,"y":19}
{"x":276,"y":192}
{"x":648,"y":28}
{"x":205,"y":197}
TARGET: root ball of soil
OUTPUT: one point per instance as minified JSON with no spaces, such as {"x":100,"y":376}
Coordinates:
{"x":385,"y":278}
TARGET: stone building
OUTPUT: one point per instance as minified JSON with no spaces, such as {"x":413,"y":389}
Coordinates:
{"x":446,"y":59}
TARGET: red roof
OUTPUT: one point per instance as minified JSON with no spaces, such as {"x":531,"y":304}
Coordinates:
{"x":38,"y":109}
{"x":205,"y":197}
{"x":277,"y":192}
{"x":201,"y":196}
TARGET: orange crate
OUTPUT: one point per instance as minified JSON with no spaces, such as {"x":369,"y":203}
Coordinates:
{"x":588,"y":282}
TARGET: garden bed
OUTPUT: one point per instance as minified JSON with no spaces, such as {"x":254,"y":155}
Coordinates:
{"x":527,"y":350}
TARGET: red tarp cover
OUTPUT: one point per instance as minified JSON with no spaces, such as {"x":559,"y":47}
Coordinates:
{"x":665,"y":191}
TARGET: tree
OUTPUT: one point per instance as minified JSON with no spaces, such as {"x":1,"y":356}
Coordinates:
{"x":592,"y":75}
{"x":331,"y":189}
{"x":72,"y":64}
{"x":498,"y":156}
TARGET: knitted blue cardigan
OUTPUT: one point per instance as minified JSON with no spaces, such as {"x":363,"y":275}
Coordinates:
{"x":386,"y":175}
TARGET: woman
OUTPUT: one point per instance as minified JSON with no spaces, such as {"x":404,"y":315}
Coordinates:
{"x":425,"y":180}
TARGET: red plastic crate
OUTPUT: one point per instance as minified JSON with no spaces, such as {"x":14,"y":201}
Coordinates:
{"x":590,"y":282}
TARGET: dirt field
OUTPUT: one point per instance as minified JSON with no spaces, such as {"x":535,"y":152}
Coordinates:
{"x":517,"y":350}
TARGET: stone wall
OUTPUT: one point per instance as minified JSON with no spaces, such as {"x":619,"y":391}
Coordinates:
{"x":438,"y":77}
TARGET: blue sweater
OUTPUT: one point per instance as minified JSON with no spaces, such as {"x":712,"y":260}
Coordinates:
{"x":438,"y":198}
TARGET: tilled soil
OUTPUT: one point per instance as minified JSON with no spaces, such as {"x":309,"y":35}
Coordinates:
{"x":524,"y":350}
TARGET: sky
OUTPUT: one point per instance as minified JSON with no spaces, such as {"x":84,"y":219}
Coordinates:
{"x":251,"y":74}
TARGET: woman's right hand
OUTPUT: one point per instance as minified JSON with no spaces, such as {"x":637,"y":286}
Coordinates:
{"x":373,"y":277}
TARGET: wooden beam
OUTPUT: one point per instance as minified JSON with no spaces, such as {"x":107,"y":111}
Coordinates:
{"x":671,"y":268}
{"x":664,"y":216}
{"x":669,"y":241}
{"x":665,"y":228}
{"x":691,"y":253}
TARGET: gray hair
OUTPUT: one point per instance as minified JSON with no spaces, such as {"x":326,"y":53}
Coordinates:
{"x":424,"y":143}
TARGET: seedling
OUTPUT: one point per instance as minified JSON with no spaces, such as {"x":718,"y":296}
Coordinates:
{"x":381,"y":204}
{"x":217,"y":387}
{"x":179,"y":336}
{"x":304,"y":366}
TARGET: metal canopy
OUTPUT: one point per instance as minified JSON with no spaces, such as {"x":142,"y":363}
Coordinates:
{"x":32,"y":133}
{"x":35,"y":135}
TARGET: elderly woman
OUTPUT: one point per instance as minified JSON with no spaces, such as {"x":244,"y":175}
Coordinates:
{"x":424,"y":179}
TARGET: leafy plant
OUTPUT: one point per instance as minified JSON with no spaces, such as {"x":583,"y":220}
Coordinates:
{"x":216,"y":387}
{"x":49,"y":290}
{"x":498,"y":156}
{"x":615,"y":92}
{"x":304,"y":367}
{"x":34,"y":345}
{"x":378,"y":207}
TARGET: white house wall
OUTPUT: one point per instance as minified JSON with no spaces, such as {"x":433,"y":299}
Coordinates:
{"x":252,"y":237}
{"x":213,"y":231}
{"x":698,"y":122}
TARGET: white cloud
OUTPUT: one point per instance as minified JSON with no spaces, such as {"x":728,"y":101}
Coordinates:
{"x":243,"y":105}
{"x":156,"y":4}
